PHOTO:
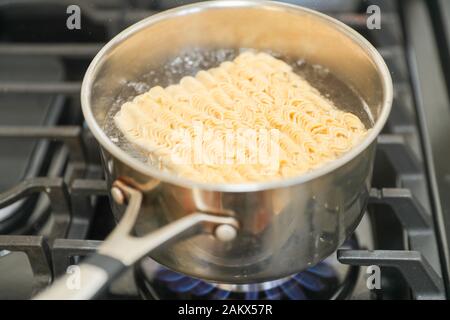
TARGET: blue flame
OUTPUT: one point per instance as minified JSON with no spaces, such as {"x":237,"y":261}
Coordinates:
{"x":297,"y":288}
{"x":323,"y":270}
{"x":293,"y":290}
{"x":168,"y":275}
{"x":273,"y":294}
{"x":310,"y":281}
{"x":220,"y":294}
{"x":183,"y":285}
{"x":251,"y":295}
{"x":203,"y":288}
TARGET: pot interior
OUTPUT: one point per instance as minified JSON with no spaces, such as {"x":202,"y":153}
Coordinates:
{"x":163,"y":48}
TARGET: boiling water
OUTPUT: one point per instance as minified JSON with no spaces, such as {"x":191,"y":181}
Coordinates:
{"x":190,"y":62}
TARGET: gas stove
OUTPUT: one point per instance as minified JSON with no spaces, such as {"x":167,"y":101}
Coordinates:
{"x":53,"y":197}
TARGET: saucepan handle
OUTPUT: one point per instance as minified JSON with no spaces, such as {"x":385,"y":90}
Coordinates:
{"x":121,"y":250}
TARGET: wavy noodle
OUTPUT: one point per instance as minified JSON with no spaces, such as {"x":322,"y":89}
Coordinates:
{"x":214,"y":108}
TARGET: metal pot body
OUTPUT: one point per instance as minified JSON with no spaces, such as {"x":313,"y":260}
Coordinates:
{"x":281,"y":231}
{"x":286,"y":226}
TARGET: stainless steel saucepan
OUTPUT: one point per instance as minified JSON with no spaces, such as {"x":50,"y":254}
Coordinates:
{"x":241,"y":233}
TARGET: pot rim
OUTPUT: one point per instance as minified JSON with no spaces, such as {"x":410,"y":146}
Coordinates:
{"x":147,"y":170}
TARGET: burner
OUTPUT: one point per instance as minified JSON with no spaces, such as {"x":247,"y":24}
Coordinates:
{"x":319,"y":281}
{"x":326,"y":280}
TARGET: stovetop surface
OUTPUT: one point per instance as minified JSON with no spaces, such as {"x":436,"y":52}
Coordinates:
{"x":52,"y":166}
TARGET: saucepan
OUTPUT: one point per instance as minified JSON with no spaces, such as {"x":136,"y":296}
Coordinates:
{"x":227,"y":233}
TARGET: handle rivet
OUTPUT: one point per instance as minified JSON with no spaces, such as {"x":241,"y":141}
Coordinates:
{"x":225,"y":232}
{"x":117,"y":195}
